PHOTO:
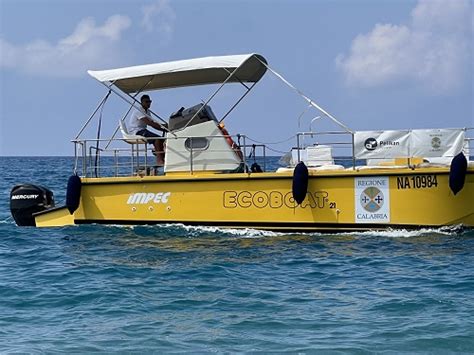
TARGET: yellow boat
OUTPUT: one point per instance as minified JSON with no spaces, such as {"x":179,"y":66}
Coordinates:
{"x":390,"y":179}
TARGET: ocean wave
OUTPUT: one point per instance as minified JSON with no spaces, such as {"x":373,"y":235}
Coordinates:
{"x":258,"y":233}
{"x":199,"y":231}
{"x":8,"y":220}
{"x":412,"y":233}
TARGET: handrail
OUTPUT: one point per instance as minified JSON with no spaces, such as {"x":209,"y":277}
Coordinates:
{"x":134,"y":157}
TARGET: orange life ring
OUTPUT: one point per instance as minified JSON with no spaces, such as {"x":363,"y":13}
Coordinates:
{"x":231,"y":142}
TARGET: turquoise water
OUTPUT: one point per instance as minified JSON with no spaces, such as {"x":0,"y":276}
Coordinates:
{"x":173,"y":288}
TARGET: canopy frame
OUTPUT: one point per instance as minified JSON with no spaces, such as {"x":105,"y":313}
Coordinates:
{"x":127,"y":97}
{"x":133,"y":103}
{"x":231,"y":75}
{"x":253,"y":73}
{"x":184,"y":73}
{"x":308,"y":100}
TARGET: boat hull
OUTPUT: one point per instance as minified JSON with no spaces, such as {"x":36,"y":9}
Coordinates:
{"x":336,"y":201}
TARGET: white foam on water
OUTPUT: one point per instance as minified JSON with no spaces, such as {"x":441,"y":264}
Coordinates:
{"x":411,"y":233}
{"x":8,"y":220}
{"x":201,"y":230}
{"x":196,"y":231}
{"x":237,"y":232}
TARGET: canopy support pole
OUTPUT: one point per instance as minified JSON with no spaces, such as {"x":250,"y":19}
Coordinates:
{"x":130,"y":100}
{"x":102,"y":102}
{"x":310,"y":102}
{"x":133,"y":100}
{"x":238,"y":102}
{"x":212,"y":96}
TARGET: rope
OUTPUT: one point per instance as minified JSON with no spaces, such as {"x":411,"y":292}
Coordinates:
{"x":277,"y":151}
{"x":284,"y":141}
{"x":268,"y":143}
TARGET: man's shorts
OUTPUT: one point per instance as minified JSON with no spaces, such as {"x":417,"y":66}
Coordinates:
{"x":146,"y":133}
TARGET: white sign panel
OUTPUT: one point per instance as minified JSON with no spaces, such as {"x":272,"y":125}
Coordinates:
{"x":381,"y":144}
{"x":436,"y":142}
{"x":372,"y":200}
{"x":425,"y":143}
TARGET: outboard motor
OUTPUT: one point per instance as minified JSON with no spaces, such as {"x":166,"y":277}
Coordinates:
{"x":25,"y":200}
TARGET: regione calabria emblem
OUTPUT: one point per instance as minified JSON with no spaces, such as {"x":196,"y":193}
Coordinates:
{"x":372,"y":199}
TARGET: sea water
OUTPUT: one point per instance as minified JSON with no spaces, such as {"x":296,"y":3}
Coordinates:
{"x":173,"y":288}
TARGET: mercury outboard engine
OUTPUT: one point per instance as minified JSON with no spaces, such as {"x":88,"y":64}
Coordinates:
{"x":25,"y":200}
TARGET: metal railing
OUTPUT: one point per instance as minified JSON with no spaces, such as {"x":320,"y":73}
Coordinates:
{"x":343,"y":146}
{"x":135,"y":159}
{"x":469,"y":142}
{"x":90,"y":160}
{"x":343,"y":150}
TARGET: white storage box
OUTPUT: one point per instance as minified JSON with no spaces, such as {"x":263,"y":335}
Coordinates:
{"x":316,"y":155}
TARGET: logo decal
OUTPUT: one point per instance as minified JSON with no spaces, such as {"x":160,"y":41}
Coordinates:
{"x":24,"y":197}
{"x":143,"y":198}
{"x":370,"y":144}
{"x":436,"y":142}
{"x":274,"y":199}
{"x":371,"y":199}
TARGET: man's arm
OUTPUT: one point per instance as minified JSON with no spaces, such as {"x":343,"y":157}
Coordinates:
{"x":161,"y":127}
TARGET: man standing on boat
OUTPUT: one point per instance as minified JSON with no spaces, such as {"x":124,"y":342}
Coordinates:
{"x":140,"y":119}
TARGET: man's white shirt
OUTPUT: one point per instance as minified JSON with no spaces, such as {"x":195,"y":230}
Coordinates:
{"x":136,"y":123}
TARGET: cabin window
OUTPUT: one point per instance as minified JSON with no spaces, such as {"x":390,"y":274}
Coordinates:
{"x":196,"y":143}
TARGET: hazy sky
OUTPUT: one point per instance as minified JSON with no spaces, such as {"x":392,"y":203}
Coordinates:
{"x":374,"y":64}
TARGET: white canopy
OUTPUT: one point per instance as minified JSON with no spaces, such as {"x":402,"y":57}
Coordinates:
{"x":208,"y":70}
